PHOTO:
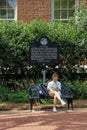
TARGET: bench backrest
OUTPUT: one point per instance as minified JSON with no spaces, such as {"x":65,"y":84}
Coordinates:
{"x":40,"y":91}
{"x":66,"y":91}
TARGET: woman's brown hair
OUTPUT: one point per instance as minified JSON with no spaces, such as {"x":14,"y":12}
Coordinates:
{"x":55,"y":75}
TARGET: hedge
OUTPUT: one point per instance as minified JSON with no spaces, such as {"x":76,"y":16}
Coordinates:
{"x":15,"y":38}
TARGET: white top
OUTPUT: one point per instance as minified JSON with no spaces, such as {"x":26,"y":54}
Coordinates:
{"x":53,"y":84}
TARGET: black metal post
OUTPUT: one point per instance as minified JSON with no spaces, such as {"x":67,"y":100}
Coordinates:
{"x":31,"y":104}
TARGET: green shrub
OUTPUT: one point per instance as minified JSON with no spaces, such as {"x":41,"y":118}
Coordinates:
{"x":15,"y":38}
{"x":14,"y":97}
{"x":4,"y":93}
{"x":19,"y":97}
{"x":80,"y":89}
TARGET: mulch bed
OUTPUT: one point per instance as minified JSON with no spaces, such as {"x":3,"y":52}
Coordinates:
{"x":38,"y":106}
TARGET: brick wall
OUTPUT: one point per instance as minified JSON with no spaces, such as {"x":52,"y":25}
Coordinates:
{"x":29,"y":10}
{"x":84,"y":1}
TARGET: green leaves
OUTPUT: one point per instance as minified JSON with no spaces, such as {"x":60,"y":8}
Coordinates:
{"x":18,"y":97}
{"x":80,"y":89}
{"x":15,"y":38}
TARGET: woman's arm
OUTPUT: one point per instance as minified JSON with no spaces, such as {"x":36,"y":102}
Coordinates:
{"x":56,"y":89}
{"x":49,"y":87}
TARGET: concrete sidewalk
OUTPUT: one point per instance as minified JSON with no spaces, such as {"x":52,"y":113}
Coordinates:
{"x":44,"y":120}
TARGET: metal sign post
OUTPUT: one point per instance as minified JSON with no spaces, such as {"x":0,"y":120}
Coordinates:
{"x":44,"y":76}
{"x":44,"y":73}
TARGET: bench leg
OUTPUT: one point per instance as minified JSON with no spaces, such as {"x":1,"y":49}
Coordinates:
{"x":31,"y":104}
{"x":70,"y":102}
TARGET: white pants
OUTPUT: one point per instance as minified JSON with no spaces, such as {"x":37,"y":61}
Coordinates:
{"x":57,"y":94}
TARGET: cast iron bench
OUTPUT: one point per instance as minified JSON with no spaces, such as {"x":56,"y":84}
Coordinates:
{"x":36,"y":92}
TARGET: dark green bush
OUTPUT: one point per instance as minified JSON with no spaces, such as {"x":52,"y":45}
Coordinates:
{"x":80,"y":90}
{"x":19,"y":97}
{"x":4,"y":92}
{"x":14,"y":97}
{"x":15,"y":38}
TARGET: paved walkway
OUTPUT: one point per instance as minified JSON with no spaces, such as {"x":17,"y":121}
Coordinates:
{"x":62,"y":120}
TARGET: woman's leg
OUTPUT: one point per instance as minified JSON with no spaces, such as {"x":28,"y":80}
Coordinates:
{"x":55,"y":101}
{"x":52,"y":94}
{"x":59,"y":97}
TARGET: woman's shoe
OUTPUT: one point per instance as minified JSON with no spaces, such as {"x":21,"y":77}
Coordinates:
{"x":54,"y":109}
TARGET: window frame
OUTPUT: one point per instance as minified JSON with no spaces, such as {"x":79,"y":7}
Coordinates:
{"x":15,"y":14}
{"x":53,"y":10}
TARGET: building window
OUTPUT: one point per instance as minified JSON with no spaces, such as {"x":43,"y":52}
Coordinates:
{"x":62,"y":9}
{"x":8,"y":9}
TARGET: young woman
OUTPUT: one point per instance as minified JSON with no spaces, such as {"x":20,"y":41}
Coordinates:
{"x":54,"y":88}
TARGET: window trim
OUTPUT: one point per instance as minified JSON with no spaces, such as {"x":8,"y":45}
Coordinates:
{"x":52,"y":10}
{"x":15,"y":17}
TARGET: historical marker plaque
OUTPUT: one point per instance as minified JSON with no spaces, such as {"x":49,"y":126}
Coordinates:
{"x":43,"y":52}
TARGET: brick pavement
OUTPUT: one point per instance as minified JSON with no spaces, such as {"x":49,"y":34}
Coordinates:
{"x":62,"y":120}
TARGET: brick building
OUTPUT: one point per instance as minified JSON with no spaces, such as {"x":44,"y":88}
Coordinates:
{"x":28,"y":10}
